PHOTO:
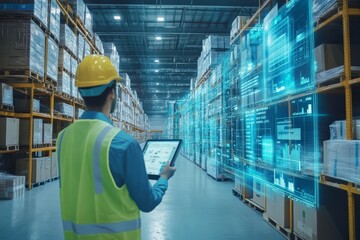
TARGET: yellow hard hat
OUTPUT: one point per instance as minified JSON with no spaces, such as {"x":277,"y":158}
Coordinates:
{"x":95,"y":71}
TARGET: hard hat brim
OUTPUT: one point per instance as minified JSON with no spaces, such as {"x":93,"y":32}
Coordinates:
{"x":97,"y":90}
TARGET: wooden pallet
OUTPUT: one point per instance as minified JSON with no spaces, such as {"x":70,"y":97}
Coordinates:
{"x":286,"y":232}
{"x":65,"y":95}
{"x":60,"y":115}
{"x":9,"y":148}
{"x":6,"y":108}
{"x":21,"y":76}
{"x":254,"y":206}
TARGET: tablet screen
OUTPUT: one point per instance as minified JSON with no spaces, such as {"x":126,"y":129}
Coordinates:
{"x":158,"y":152}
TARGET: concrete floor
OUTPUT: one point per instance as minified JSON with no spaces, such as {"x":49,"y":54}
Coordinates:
{"x":194,"y":207}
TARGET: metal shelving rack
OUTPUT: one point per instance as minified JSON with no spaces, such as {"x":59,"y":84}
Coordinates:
{"x":34,"y":86}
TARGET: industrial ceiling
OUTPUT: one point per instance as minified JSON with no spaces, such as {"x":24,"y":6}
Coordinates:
{"x":159,"y":42}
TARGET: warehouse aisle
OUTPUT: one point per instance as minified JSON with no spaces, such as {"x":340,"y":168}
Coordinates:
{"x":195,"y":207}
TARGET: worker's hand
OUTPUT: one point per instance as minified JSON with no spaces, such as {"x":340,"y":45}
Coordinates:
{"x":167,"y":172}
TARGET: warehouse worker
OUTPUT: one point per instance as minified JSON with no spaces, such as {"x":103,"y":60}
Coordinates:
{"x":103,"y":180}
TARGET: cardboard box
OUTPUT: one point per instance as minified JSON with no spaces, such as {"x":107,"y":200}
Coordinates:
{"x":52,"y":59}
{"x":54,"y":165}
{"x":48,"y":130}
{"x":64,"y":60}
{"x":38,"y":169}
{"x":37,"y":131}
{"x":54,"y":18}
{"x":278,"y":207}
{"x":330,"y":56}
{"x":65,"y":109}
{"x":11,"y":186}
{"x":47,"y":168}
{"x":259,"y":192}
{"x":23,"y":105}
{"x":314,"y":224}
{"x":22,"y":46}
{"x":64,"y":83}
{"x":9,"y":131}
{"x":6,"y":95}
{"x":78,"y":6}
{"x":68,"y":38}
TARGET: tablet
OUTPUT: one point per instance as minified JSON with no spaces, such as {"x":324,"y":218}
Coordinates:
{"x":157,"y":153}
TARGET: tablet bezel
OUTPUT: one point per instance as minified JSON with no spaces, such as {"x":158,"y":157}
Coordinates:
{"x":172,"y":162}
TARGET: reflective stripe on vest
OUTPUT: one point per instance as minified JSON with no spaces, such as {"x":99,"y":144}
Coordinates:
{"x":88,"y":229}
{"x":96,"y":156}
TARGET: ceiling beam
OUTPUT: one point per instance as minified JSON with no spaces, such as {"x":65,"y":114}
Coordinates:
{"x":103,"y":30}
{"x":176,"y":3}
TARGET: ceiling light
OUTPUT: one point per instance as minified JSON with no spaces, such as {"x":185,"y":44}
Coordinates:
{"x":117,"y":17}
{"x":157,"y":60}
{"x":158,"y":38}
{"x":157,"y":72}
{"x":160,"y":19}
{"x":157,"y":84}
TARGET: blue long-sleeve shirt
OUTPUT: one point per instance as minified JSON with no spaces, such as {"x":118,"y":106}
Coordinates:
{"x":127,"y":166}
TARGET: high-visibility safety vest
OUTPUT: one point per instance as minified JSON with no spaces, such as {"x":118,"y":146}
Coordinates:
{"x":92,"y":206}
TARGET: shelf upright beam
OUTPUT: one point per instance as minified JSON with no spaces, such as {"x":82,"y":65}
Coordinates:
{"x":31,"y":123}
{"x":348,"y":101}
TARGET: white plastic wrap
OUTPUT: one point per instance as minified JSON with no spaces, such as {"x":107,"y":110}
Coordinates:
{"x":52,"y":59}
{"x":88,"y":20}
{"x":64,"y":84}
{"x":336,"y":72}
{"x":54,"y":19}
{"x":80,"y":46}
{"x":87,"y":49}
{"x":338,"y":130}
{"x":68,"y":38}
{"x":6,"y":95}
{"x":78,"y":6}
{"x":341,"y":159}
{"x":64,"y":60}
{"x":64,"y":108}
{"x":74,"y":89}
{"x":73,"y":66}
{"x":111,"y":52}
{"x":99,"y":44}
{"x":47,"y":133}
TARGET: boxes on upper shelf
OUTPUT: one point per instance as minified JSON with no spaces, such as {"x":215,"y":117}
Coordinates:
{"x":52,"y":59}
{"x":6,"y":95}
{"x":78,"y":6}
{"x":54,"y":19}
{"x":38,"y":8}
{"x":22,"y":46}
{"x":338,"y":129}
{"x":87,"y":49}
{"x":111,"y":52}
{"x":74,"y":89}
{"x":73,"y":66}
{"x":9,"y":131}
{"x":68,"y":38}
{"x":79,"y":112}
{"x":11,"y":186}
{"x":98,"y":43}
{"x":80,"y":46}
{"x":88,"y":21}
{"x":23,"y":105}
{"x":37,"y":134}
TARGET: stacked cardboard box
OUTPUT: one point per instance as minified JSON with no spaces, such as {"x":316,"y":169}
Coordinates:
{"x":40,"y":169}
{"x":341,"y":159}
{"x":23,"y":105}
{"x":99,"y":44}
{"x":78,"y":6}
{"x":64,"y":60}
{"x":278,"y":206}
{"x":73,"y":66}
{"x":68,"y":38}
{"x":54,"y":166}
{"x":6,"y":95}
{"x":64,"y":83}
{"x":112,"y":53}
{"x":74,"y":89}
{"x":322,"y":7}
{"x":237,"y":25}
{"x":80,"y":46}
{"x":37,"y":131}
{"x":64,"y":108}
{"x":52,"y":59}
{"x":79,"y":112}
{"x":37,"y":8}
{"x":11,"y":186}
{"x":259,"y":192}
{"x":22,"y":46}
{"x":48,"y":130}
{"x":54,"y":19}
{"x":88,"y":20}
{"x":9,"y":131}
{"x":87,"y":49}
